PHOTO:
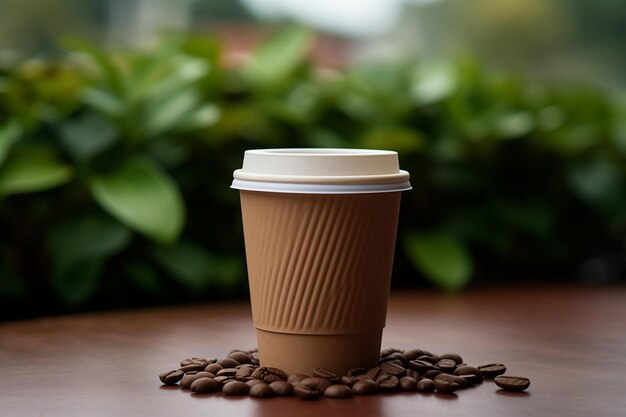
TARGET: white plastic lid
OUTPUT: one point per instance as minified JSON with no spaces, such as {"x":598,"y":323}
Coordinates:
{"x":321,"y":171}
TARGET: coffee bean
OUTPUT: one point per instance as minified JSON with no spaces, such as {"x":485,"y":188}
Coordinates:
{"x":295,"y":378}
{"x":392,"y":369}
{"x":311,"y":388}
{"x":227,"y":363}
{"x":375,"y":372}
{"x":512,"y":383}
{"x":243,"y":374}
{"x":199,"y":361}
{"x":316,"y":382}
{"x":348,"y":380}
{"x":213,"y":368}
{"x":394,"y":361}
{"x":171,"y":377}
{"x":469,"y":370}
{"x":425,"y":385}
{"x":413,"y":354}
{"x":186,"y":381}
{"x":454,"y":356}
{"x":446,"y":365}
{"x":235,"y":388}
{"x":252,"y":382}
{"x":413,"y":374}
{"x":189,"y":378}
{"x":240,"y":356}
{"x":461,"y":382}
{"x":365,"y":387}
{"x":404,"y":370}
{"x":227,"y":372}
{"x":268,"y":374}
{"x":445,"y":387}
{"x":492,"y":370}
{"x":387,"y":383}
{"x":193,"y":367}
{"x":205,"y":385}
{"x":471,"y":379}
{"x":305,"y":392}
{"x":356,"y":372}
{"x":432,"y":355}
{"x":196,"y":361}
{"x":396,"y":356}
{"x":282,"y":388}
{"x":327,"y":374}
{"x":338,"y":391}
{"x":432,"y":373}
{"x":420,"y":366}
{"x":261,"y":390}
{"x":427,"y":358}
{"x":223,"y":379}
{"x":406,"y":383}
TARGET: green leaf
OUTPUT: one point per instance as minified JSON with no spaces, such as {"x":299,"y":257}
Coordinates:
{"x":181,"y":77}
{"x":172,"y":99}
{"x":33,"y":169}
{"x":78,"y":282}
{"x":277,"y":58}
{"x":432,"y":83}
{"x":441,"y":257}
{"x":142,"y":196}
{"x":109,"y":70}
{"x":9,"y":134}
{"x":171,"y":112}
{"x":188,"y":263}
{"x":87,"y":136}
{"x":103,"y":101}
{"x":199,"y":118}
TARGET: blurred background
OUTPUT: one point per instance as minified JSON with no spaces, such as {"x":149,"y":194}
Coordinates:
{"x":121,"y":122}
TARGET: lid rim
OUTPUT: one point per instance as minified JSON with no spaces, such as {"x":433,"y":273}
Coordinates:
{"x":299,"y":188}
{"x":398,"y":177}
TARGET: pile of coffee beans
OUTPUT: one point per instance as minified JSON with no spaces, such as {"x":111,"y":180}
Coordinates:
{"x":398,"y":370}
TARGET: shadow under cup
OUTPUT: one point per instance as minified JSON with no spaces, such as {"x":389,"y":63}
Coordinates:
{"x":319,"y":269}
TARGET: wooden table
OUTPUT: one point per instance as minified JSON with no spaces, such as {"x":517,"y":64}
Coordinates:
{"x":571,"y":343}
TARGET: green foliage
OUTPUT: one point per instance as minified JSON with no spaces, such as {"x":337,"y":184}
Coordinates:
{"x":115,"y":167}
{"x":142,"y":196}
{"x":33,"y":169}
{"x":441,"y":257}
{"x":276,"y":60}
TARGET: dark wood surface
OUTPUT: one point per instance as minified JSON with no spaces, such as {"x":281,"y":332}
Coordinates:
{"x":570,"y":342}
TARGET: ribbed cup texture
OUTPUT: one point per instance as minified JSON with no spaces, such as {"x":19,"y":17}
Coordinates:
{"x":319,"y":264}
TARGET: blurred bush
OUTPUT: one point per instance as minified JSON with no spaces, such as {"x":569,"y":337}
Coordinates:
{"x":115,"y":169}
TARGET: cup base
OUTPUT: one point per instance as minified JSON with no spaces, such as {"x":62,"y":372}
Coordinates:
{"x":302,"y":353}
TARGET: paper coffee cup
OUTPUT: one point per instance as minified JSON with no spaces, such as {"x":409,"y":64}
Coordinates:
{"x":320,"y":229}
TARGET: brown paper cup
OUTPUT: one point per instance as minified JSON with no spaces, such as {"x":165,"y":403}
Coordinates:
{"x":319,"y":268}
